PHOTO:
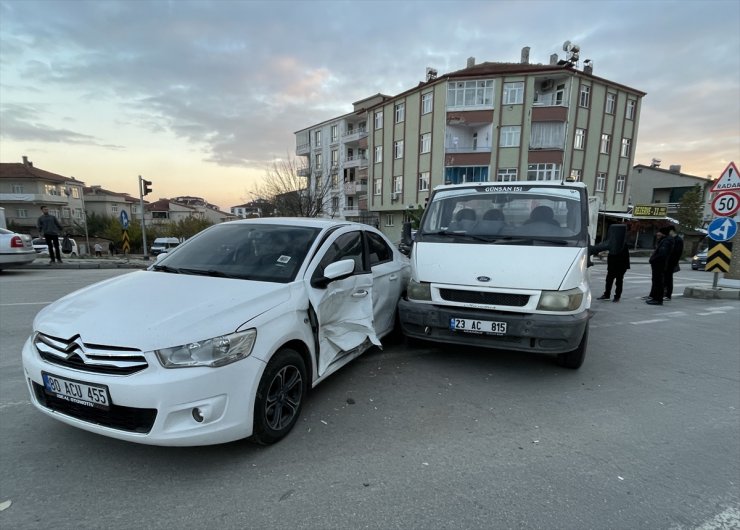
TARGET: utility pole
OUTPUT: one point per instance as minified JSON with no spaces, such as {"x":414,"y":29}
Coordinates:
{"x":144,"y":189}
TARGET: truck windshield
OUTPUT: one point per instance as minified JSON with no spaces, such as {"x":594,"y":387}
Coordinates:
{"x":522,"y":214}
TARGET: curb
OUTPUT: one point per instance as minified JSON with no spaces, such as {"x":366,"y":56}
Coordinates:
{"x":707,"y":293}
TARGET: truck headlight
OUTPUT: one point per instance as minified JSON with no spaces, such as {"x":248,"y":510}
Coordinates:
{"x":214,"y":352}
{"x":419,"y":291}
{"x":560,"y":300}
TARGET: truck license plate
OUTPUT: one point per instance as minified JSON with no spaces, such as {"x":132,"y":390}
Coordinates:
{"x":77,"y":392}
{"x":478,"y":326}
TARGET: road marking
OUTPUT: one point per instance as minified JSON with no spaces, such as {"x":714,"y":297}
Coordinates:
{"x":654,"y":321}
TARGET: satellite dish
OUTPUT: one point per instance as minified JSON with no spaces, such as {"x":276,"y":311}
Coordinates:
{"x":566,"y":46}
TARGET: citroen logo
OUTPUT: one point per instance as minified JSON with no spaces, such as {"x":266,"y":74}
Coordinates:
{"x":483,"y":279}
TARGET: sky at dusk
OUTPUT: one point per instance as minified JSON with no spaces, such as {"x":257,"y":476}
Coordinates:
{"x":201,"y":97}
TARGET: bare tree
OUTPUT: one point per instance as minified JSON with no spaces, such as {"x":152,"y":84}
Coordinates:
{"x":288,"y":184}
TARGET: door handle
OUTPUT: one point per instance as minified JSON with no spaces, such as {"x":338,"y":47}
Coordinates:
{"x":393,"y":277}
{"x":359,"y":294}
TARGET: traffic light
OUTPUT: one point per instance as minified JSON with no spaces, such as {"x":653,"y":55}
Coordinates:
{"x":146,"y":187}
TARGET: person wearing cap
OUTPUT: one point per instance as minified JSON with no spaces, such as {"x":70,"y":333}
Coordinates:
{"x":672,"y":266}
{"x":658,"y":264}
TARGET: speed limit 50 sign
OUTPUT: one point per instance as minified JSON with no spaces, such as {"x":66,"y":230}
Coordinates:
{"x":726,"y":204}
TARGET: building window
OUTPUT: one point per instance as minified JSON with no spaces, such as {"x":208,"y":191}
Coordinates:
{"x":334,"y":204}
{"x":470,"y":93}
{"x":21,"y":213}
{"x":78,"y":213}
{"x":600,"y":181}
{"x":621,"y":180}
{"x":426,"y":143}
{"x":584,"y":99}
{"x":580,"y":140}
{"x":378,"y":153}
{"x":114,"y":208}
{"x":398,"y":149}
{"x":17,"y":188}
{"x":400,"y":112}
{"x":76,"y":193}
{"x":611,"y":103}
{"x":389,"y":219}
{"x":511,"y":136}
{"x":460,"y":174}
{"x":426,"y":102}
{"x":377,"y":186}
{"x":543,"y":172}
{"x":508,"y":174}
{"x":606,"y":143}
{"x":334,"y":181}
{"x":398,"y":184}
{"x":626,"y":147}
{"x":334,"y":133}
{"x":379,"y":119}
{"x":334,"y":158}
{"x":576,"y":175}
{"x":547,"y":135}
{"x":50,"y":189}
{"x":631,"y":105}
{"x":318,"y":161}
{"x":317,"y":138}
{"x":424,"y":181}
{"x":514,"y":93}
{"x":66,"y":213}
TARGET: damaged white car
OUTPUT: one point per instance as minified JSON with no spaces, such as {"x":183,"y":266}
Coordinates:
{"x":221,"y":338}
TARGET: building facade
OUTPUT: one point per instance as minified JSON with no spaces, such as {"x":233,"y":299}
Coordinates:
{"x":501,"y":122}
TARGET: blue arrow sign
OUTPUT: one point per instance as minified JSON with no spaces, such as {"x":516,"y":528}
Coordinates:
{"x":124,"y":219}
{"x":722,"y":229}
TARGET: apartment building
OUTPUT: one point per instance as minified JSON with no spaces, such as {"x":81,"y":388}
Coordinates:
{"x":25,"y":188}
{"x":501,"y":122}
{"x":335,"y":163}
{"x":107,"y":203}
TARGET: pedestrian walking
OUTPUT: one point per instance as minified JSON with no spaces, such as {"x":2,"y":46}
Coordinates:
{"x":98,"y":250}
{"x":673,"y":267}
{"x":617,"y":264}
{"x":50,"y":228}
{"x":658,"y":264}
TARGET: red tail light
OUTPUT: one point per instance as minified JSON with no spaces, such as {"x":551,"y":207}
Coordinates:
{"x":16,"y":242}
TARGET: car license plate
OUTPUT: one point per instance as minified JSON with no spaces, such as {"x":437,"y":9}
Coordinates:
{"x":86,"y":394}
{"x":478,"y":326}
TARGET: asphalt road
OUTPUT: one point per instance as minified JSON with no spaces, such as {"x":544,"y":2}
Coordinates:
{"x":645,"y":435}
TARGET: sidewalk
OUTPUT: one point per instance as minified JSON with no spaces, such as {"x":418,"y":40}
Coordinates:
{"x":106,"y":262}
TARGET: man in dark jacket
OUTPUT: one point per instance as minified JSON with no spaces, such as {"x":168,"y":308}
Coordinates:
{"x":673,"y":260}
{"x":617,"y":264}
{"x":50,"y":228}
{"x":658,"y":264}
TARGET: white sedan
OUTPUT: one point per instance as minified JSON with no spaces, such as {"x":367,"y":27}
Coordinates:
{"x":222,"y":337}
{"x":15,"y":249}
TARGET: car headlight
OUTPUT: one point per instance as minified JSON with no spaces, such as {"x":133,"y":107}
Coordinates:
{"x":214,"y":352}
{"x":560,"y":300}
{"x":419,"y":291}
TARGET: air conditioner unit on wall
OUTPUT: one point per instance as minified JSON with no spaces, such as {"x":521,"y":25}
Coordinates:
{"x":395,"y":195}
{"x":546,"y":85}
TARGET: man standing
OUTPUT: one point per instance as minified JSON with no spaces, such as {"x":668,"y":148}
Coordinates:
{"x":617,"y":264}
{"x":50,"y":228}
{"x":673,"y":260}
{"x":658,"y":265}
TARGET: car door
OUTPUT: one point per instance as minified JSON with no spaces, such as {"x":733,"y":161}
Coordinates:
{"x":343,"y":309}
{"x":386,"y":281}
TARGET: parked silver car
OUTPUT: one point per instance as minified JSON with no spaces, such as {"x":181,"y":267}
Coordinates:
{"x":15,"y":249}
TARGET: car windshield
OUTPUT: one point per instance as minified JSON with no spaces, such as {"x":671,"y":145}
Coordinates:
{"x":250,"y":251}
{"x":521,"y":214}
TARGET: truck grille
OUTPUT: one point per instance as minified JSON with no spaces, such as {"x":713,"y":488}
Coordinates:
{"x":93,"y":358}
{"x":484,"y":298}
{"x":117,"y":417}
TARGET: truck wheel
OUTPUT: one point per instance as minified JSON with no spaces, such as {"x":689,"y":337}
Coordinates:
{"x":574,"y":359}
{"x":280,"y":396}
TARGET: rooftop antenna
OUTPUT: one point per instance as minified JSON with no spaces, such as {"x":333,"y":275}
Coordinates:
{"x":573,"y":50}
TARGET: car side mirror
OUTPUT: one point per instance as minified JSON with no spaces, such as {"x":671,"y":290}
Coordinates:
{"x":338,"y":270}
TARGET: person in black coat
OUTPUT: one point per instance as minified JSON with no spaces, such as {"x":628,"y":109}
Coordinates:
{"x":617,"y":264}
{"x":658,"y":265}
{"x":673,"y":260}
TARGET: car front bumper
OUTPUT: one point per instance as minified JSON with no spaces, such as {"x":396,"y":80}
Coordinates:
{"x":530,"y":332}
{"x":156,"y":406}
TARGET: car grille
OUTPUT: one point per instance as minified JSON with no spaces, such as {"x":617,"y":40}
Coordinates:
{"x":116,"y":417}
{"x":93,"y":358}
{"x":483,"y":297}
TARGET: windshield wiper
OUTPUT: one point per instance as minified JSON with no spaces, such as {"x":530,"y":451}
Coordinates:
{"x":166,"y":268}
{"x":208,"y":272}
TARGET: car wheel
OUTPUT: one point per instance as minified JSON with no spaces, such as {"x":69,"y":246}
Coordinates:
{"x":280,"y":396}
{"x":574,"y":358}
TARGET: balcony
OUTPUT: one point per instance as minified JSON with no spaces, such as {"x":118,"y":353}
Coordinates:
{"x":31,"y":198}
{"x":355,"y":161}
{"x":304,"y":172}
{"x":302,"y":149}
{"x":354,"y":135}
{"x":353,"y":188}
{"x":352,"y":211}
{"x":462,"y":148}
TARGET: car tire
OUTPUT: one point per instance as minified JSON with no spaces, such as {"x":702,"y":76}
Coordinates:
{"x":280,"y":395}
{"x":574,"y":358}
